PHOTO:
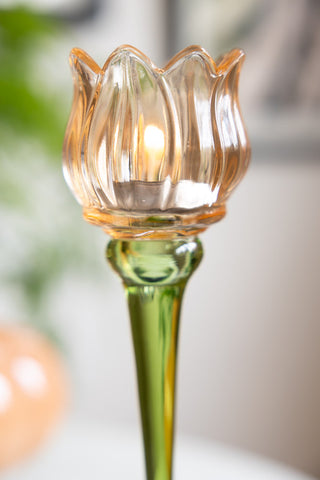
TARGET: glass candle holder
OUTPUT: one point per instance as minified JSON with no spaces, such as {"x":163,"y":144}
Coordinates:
{"x":152,"y":155}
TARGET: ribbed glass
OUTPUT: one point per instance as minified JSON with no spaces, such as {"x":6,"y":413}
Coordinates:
{"x":155,"y":152}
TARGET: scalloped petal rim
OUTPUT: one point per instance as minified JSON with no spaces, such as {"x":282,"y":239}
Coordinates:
{"x":221,"y":67}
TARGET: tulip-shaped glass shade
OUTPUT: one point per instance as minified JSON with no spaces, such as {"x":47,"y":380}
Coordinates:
{"x":153,"y":152}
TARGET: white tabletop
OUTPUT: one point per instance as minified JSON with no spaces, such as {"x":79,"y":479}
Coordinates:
{"x":95,"y":453}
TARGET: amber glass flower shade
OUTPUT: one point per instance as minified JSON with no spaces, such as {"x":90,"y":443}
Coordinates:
{"x":155,"y":152}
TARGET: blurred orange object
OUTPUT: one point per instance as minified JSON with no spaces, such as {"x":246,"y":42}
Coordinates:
{"x":32,"y":391}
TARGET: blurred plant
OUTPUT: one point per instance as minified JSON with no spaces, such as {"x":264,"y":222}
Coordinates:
{"x":38,"y":244}
{"x":25,"y":109}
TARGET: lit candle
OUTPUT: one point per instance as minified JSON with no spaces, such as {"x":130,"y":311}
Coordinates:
{"x":143,"y":195}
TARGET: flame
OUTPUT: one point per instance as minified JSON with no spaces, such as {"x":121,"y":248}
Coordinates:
{"x":154,"y":150}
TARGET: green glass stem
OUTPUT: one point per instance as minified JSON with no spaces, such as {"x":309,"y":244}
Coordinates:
{"x":155,"y":273}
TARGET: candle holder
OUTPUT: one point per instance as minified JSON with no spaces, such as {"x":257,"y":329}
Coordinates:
{"x":152,"y":156}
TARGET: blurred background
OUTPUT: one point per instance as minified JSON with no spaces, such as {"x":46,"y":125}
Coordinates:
{"x":249,"y":346}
